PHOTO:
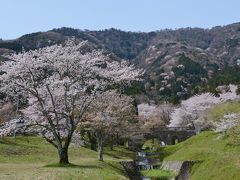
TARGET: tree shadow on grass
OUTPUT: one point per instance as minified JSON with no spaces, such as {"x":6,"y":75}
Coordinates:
{"x":113,"y":155}
{"x":119,"y":154}
{"x":70,"y":165}
{"x":13,"y":142}
{"x":7,"y":142}
{"x":115,"y":167}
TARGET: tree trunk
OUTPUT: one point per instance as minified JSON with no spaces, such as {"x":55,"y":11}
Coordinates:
{"x":100,"y":148}
{"x":63,"y":156}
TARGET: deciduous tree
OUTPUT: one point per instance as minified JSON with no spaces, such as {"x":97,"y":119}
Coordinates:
{"x":111,"y":114}
{"x":60,"y":83}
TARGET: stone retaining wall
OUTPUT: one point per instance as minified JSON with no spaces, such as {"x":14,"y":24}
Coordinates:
{"x":181,"y":168}
{"x":131,"y":170}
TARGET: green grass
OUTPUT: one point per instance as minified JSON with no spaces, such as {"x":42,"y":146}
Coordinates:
{"x":33,"y":158}
{"x":158,"y":174}
{"x":217,"y":159}
{"x":216,"y":113}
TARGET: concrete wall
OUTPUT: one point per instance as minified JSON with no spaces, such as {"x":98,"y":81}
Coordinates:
{"x":181,"y":168}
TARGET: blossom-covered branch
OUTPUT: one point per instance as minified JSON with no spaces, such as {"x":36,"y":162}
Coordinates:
{"x":60,"y":82}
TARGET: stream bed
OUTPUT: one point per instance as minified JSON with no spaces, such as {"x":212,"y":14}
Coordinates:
{"x":145,"y":162}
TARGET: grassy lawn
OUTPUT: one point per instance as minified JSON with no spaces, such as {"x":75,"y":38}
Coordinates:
{"x":218,"y":159}
{"x":33,"y":158}
{"x":158,"y":174}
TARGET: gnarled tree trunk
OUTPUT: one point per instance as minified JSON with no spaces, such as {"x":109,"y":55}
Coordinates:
{"x":63,"y":156}
{"x":63,"y":150}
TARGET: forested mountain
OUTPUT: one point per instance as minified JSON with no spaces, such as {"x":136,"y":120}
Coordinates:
{"x":178,"y":63}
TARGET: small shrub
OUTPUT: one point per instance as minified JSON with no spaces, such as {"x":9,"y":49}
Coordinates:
{"x":234,"y":135}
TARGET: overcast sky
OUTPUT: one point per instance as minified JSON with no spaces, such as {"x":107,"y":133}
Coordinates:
{"x":20,"y":17}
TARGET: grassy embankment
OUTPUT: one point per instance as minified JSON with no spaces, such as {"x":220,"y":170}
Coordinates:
{"x":218,"y":159}
{"x":157,"y":174}
{"x":219,"y":154}
{"x":33,"y":158}
{"x":217,"y":113}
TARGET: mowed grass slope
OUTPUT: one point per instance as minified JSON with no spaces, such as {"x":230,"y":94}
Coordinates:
{"x":218,"y":159}
{"x":33,"y":158}
{"x":217,"y":113}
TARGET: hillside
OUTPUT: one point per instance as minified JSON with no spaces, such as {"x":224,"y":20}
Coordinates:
{"x":178,"y":63}
{"x":217,"y":158}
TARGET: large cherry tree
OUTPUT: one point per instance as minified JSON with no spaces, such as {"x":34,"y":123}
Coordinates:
{"x":60,"y":83}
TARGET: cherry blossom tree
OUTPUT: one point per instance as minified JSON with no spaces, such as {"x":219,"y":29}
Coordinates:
{"x":192,"y":109}
{"x":154,"y":116}
{"x":60,"y":83}
{"x":111,"y":114}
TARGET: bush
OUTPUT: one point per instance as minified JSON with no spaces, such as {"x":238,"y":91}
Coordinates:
{"x":234,"y":135}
